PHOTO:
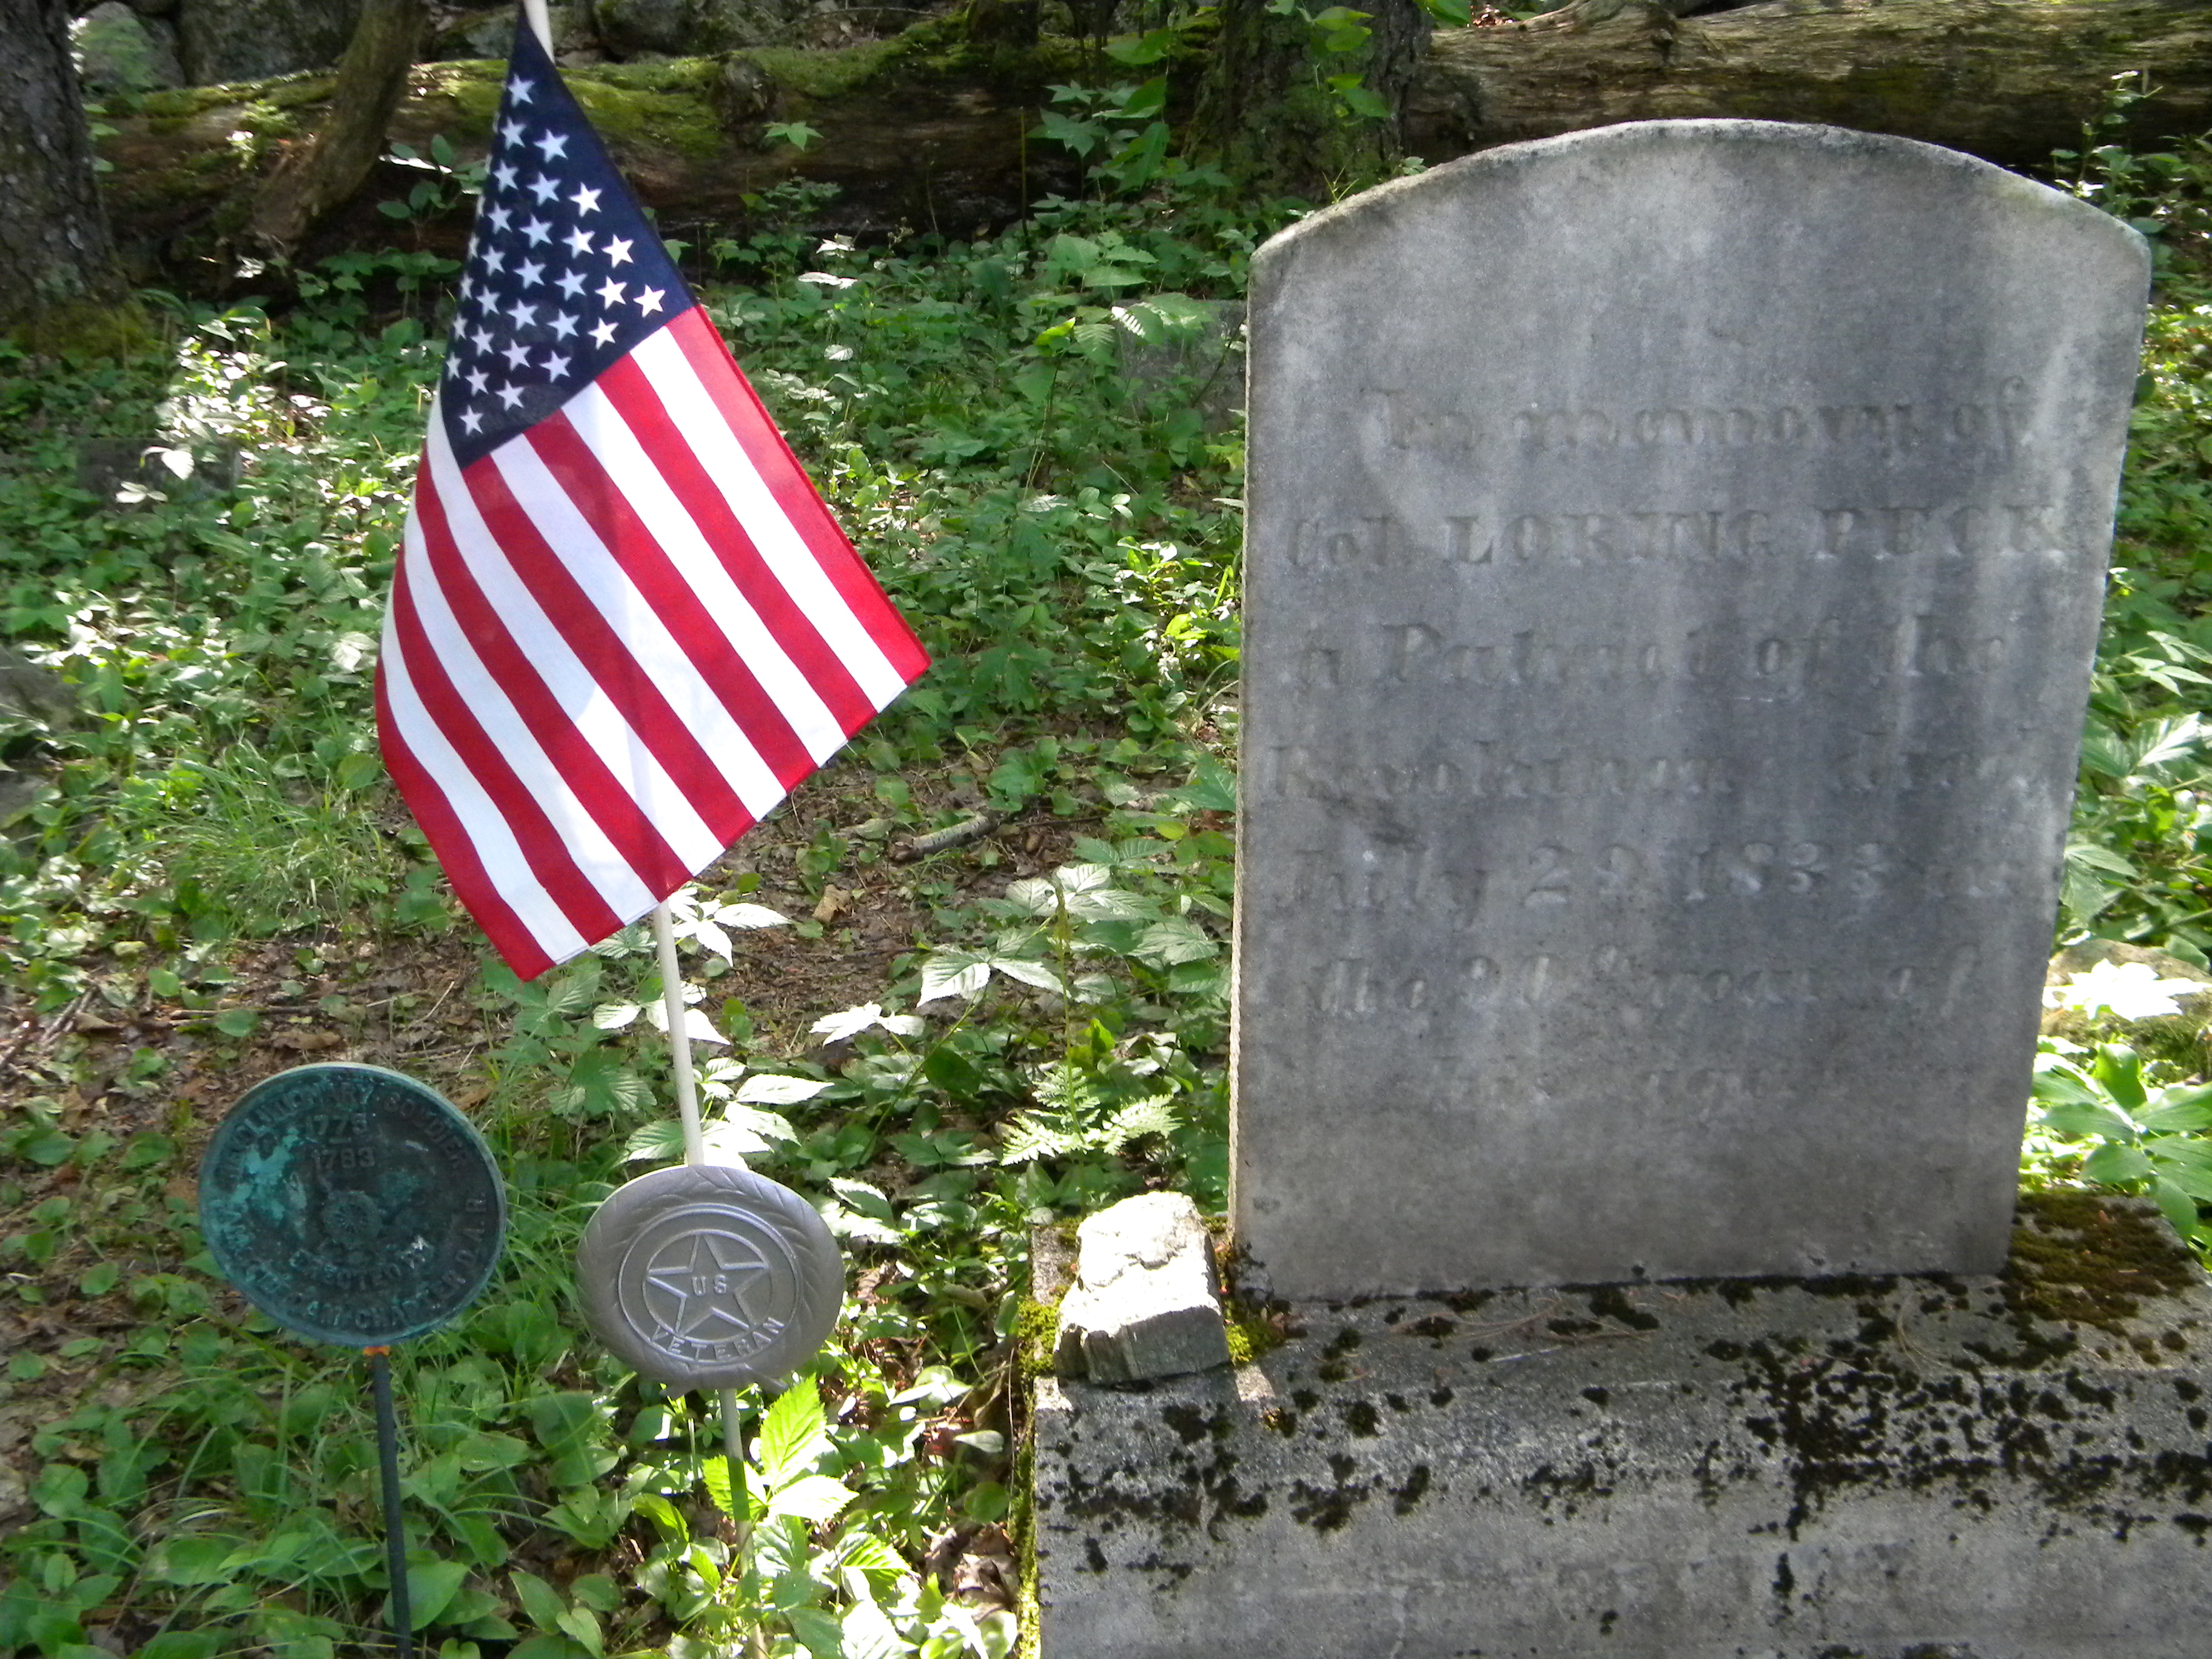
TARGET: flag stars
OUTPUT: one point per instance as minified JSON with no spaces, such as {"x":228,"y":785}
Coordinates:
{"x":472,"y":420}
{"x":524,"y":316}
{"x":504,"y":175}
{"x":518,"y":356}
{"x":617,"y":251}
{"x":498,"y":218}
{"x":510,"y":395}
{"x":477,"y":381}
{"x":649,"y":301}
{"x":604,"y":333}
{"x":530,"y":273}
{"x":519,"y":89}
{"x":510,"y":131}
{"x":544,"y":189}
{"x":572,"y":283}
{"x":610,"y":293}
{"x":538,"y":230}
{"x":556,"y":365}
{"x":580,"y":241}
{"x":494,"y":261}
{"x":562,"y":326}
{"x":481,"y":339}
{"x":587,"y":200}
{"x":550,"y":144}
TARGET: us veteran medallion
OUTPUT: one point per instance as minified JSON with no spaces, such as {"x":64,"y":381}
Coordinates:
{"x":705,"y":1276}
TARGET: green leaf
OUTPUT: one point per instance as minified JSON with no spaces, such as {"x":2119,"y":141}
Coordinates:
{"x":2178,"y":1110}
{"x":583,"y":1625}
{"x":812,"y":1498}
{"x":793,"y":1431}
{"x":715,"y":1473}
{"x":1365,"y":102}
{"x":870,"y":1635}
{"x":1177,"y":940}
{"x":2090,"y":1119}
{"x":2118,"y":1070}
{"x":952,"y":974}
{"x":775,"y":1089}
{"x":1079,"y":137}
{"x":1030,"y":971}
{"x":817,"y":1632}
{"x":597,"y":1591}
{"x":190,"y":1560}
{"x":2178,"y":1205}
{"x":182,"y":1644}
{"x":660,"y":1142}
{"x":2117,"y":1165}
{"x":541,"y":1603}
{"x":237,"y":1021}
{"x":431,"y":1587}
{"x":549,"y":1646}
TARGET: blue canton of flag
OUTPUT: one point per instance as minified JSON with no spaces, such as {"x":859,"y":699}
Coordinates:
{"x":564,"y":274}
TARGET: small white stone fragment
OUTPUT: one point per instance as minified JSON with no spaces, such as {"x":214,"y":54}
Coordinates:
{"x":1145,"y":1302}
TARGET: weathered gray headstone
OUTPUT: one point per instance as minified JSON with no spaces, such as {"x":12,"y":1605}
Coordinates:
{"x":1674,"y":566}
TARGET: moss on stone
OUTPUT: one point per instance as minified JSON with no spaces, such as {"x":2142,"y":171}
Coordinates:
{"x":2079,"y":1258}
{"x":1036,"y":1332}
{"x":81,"y":331}
{"x":825,"y":74}
{"x":1252,"y":1332}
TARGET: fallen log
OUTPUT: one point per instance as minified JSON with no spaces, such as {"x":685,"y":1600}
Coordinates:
{"x":929,"y":130}
{"x":2010,"y":81}
{"x":922,"y":132}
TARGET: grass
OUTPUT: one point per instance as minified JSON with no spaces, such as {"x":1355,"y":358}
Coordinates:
{"x":207,"y":879}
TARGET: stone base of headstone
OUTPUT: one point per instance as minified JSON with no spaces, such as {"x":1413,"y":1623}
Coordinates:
{"x":1898,"y":1468}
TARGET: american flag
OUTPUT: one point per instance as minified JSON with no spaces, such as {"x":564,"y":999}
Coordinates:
{"x":623,"y":624}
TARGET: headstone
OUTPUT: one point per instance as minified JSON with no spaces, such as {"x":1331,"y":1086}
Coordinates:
{"x":1674,"y":567}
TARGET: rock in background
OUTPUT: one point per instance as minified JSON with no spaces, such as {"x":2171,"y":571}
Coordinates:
{"x":221,"y":40}
{"x":629,"y":28}
{"x":120,"y":49}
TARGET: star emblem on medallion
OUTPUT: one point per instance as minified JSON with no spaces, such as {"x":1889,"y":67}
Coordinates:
{"x":700,"y":1286}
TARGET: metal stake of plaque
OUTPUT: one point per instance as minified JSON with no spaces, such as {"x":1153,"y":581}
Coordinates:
{"x":354,"y":1206}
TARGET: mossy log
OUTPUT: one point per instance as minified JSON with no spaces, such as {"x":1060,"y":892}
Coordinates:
{"x":2010,"y":81}
{"x":924,"y":131}
{"x":929,"y":130}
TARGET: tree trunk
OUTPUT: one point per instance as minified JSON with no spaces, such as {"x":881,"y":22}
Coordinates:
{"x":372,"y":78}
{"x":2010,"y":81}
{"x":1265,"y":111}
{"x":59,"y":287}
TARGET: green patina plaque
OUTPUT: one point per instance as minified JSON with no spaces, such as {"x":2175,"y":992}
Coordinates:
{"x":351,"y":1204}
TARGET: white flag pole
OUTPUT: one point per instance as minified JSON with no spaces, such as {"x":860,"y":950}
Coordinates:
{"x":679,"y":1040}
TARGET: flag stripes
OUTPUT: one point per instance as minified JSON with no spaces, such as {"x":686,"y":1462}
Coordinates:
{"x":613,"y":645}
